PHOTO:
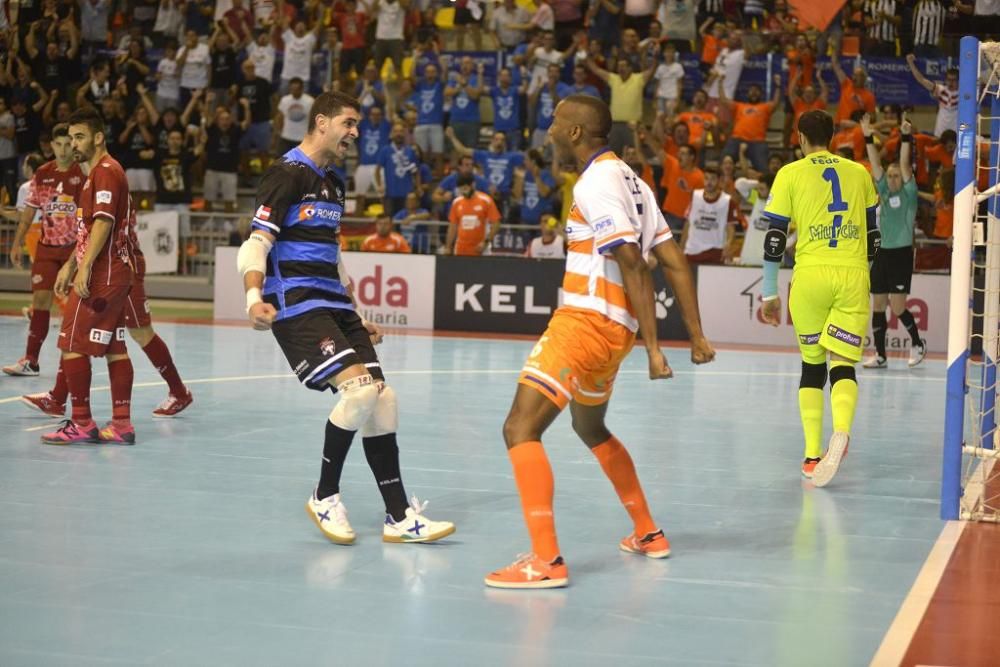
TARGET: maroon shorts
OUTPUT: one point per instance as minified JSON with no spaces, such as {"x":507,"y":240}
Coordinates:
{"x":137,"y":306}
{"x":95,"y":326}
{"x":48,"y":260}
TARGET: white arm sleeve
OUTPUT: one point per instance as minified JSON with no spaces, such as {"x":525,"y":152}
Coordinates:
{"x":253,"y":254}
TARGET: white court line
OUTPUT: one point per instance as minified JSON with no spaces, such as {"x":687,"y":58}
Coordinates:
{"x":900,"y":634}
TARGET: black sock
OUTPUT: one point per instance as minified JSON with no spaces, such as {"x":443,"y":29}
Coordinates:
{"x":335,"y":448}
{"x":906,"y":317}
{"x":879,"y":325}
{"x":383,"y":458}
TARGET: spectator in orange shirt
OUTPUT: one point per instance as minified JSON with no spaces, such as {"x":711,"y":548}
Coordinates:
{"x":850,"y":137}
{"x":934,"y":156}
{"x":853,"y":94}
{"x":750,"y":123}
{"x":713,"y":39}
{"x":802,"y":98}
{"x":385,"y":238}
{"x":702,"y":123}
{"x":471,"y":212}
{"x":680,"y":179}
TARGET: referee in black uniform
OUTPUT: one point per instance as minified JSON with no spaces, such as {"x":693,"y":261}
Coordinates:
{"x":296,"y":286}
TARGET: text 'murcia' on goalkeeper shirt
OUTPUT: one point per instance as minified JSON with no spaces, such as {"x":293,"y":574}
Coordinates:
{"x":828,"y":197}
{"x":301,"y":205}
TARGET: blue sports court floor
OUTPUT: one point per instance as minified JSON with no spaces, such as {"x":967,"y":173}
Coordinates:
{"x":193,"y":548}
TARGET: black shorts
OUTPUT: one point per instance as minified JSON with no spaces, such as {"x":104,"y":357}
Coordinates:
{"x":320,"y":343}
{"x":892,"y":271}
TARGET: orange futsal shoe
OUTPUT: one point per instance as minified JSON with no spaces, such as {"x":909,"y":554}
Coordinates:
{"x":809,"y":467}
{"x":530,"y":571}
{"x":653,"y":545}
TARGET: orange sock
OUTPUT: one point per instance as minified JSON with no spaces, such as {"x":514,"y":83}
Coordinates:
{"x":533,"y":476}
{"x":618,"y":466}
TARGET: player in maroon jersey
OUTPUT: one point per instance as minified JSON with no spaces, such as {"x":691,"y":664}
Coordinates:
{"x":97,"y":280}
{"x":53,"y":191}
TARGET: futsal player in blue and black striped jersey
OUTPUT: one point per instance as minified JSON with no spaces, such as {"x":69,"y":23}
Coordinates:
{"x":296,"y":286}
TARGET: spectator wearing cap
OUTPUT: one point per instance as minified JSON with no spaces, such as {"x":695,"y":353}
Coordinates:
{"x":474,"y":221}
{"x":464,"y":89}
{"x":751,"y":120}
{"x":385,"y":238}
{"x":507,"y":107}
{"x":397,"y":171}
{"x":626,"y":99}
{"x":292,"y":117}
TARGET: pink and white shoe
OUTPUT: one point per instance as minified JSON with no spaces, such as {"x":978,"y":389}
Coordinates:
{"x":114,"y":434}
{"x":172,"y":405}
{"x":71,"y":433}
{"x":45,"y":404}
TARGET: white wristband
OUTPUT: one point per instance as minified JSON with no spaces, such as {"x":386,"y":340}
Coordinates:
{"x":768,"y":298}
{"x":253,"y":298}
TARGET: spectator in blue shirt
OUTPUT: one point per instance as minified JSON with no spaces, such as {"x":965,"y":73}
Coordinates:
{"x":369,"y":89}
{"x":396,"y":173}
{"x":544,"y":101}
{"x":532,"y":190}
{"x":408,"y":219}
{"x":464,"y":90}
{"x":373,"y":136}
{"x":497,"y":164}
{"x":447,"y":189}
{"x":507,"y":107}
{"x":579,"y":85}
{"x":428,"y":100}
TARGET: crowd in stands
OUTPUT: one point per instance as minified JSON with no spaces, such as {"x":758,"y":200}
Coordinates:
{"x":199,"y":96}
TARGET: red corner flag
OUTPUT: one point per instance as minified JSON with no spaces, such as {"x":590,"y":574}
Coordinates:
{"x":816,"y":14}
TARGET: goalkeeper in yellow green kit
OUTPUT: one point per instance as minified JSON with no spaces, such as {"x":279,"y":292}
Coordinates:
{"x":833,"y":202}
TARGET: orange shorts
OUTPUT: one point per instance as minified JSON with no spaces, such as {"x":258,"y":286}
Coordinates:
{"x":577,"y":358}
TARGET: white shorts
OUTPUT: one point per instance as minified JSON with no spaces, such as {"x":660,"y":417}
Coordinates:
{"x":430,"y":138}
{"x":364,"y":179}
{"x":220,"y":186}
{"x":140,"y":180}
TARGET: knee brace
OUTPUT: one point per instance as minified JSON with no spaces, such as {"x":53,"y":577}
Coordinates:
{"x":358,"y":397}
{"x":813,"y":376}
{"x":842,"y":371}
{"x":384,"y":418}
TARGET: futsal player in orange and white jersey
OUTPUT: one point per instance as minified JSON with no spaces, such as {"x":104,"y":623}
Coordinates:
{"x":614,"y":226}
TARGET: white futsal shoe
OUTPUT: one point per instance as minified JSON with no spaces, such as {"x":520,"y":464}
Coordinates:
{"x":330,"y":516}
{"x":876,"y":362}
{"x":836,"y":452}
{"x":415,"y":527}
{"x":917,"y":354}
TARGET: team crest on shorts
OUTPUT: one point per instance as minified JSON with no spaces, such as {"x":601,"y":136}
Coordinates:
{"x":327,"y":347}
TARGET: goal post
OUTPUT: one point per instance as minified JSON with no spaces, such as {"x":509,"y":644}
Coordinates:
{"x":970,"y":427}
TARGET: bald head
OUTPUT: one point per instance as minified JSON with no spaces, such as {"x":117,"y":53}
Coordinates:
{"x":590,"y":113}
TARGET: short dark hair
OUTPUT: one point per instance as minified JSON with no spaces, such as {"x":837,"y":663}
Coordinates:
{"x":297,"y":80}
{"x":34,"y":161}
{"x":60,"y":130}
{"x":465,"y":179}
{"x":536,"y":156}
{"x":711,"y":168}
{"x":767,"y":179}
{"x":951,"y":71}
{"x":331,"y":104}
{"x":601,"y":114}
{"x":817,"y":127}
{"x":948,"y":137}
{"x":88,"y":116}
